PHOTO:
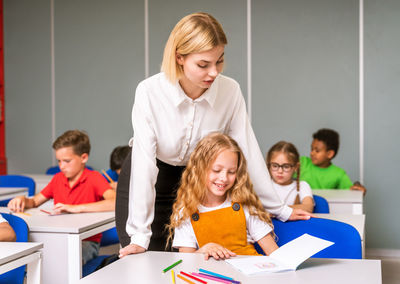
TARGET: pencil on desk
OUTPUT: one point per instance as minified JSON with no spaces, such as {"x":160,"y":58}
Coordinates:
{"x":172,"y":265}
{"x":185,"y":279}
{"x":173,"y":276}
{"x":195,"y":278}
{"x":107,"y":176}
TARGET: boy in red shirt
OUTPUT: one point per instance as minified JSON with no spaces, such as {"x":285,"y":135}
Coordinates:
{"x":75,"y":189}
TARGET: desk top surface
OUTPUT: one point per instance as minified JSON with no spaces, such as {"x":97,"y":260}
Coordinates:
{"x":339,"y":195}
{"x":11,"y":190}
{"x":65,"y":223}
{"x":357,"y":221}
{"x":147,"y":268}
{"x":10,"y":251}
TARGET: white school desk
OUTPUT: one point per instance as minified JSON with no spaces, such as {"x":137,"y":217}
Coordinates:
{"x":11,"y":192}
{"x":342,"y":201}
{"x":62,"y":237}
{"x":41,"y":180}
{"x":14,"y":255}
{"x":147,"y":268}
{"x":357,"y":221}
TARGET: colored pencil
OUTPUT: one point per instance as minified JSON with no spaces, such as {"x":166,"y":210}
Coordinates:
{"x":184,"y":279}
{"x":230,"y":281}
{"x":44,"y":211}
{"x":172,"y":265}
{"x":107,"y":176}
{"x":27,"y":214}
{"x":195,"y":278}
{"x":215,"y":274}
{"x":173,"y":276}
{"x":226,"y":281}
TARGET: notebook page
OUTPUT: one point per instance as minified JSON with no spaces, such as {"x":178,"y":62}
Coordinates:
{"x":298,"y":250}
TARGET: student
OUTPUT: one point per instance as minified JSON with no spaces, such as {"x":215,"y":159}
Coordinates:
{"x":117,"y":158}
{"x":7,"y":233}
{"x":318,"y":170}
{"x":282,"y":162}
{"x":175,"y":109}
{"x":216,"y":211}
{"x":75,"y":189}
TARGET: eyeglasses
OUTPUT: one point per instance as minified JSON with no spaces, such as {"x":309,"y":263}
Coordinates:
{"x":285,"y":167}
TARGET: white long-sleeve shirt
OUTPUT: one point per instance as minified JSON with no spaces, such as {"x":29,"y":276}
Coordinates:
{"x":167,"y":125}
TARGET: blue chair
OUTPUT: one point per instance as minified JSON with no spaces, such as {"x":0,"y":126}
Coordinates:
{"x":321,"y":205}
{"x":112,"y":174}
{"x":17,"y":275}
{"x":56,"y":169}
{"x":109,"y":237}
{"x":346,"y":238}
{"x":17,"y":181}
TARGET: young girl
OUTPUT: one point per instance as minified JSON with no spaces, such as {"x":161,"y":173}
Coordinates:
{"x":216,"y":211}
{"x":283,"y":162}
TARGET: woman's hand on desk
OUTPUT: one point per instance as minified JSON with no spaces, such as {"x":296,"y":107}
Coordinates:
{"x":300,"y":214}
{"x":131,"y":249}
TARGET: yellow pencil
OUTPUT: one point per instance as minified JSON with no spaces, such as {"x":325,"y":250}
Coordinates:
{"x":27,"y":214}
{"x":107,"y":176}
{"x":173,"y":276}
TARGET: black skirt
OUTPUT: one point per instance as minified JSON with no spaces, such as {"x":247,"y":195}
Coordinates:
{"x":167,"y":183}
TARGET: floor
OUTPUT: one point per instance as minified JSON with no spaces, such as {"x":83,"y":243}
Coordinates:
{"x":390,"y":270}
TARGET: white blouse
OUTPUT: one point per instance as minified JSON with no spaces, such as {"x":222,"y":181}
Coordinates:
{"x":167,"y":125}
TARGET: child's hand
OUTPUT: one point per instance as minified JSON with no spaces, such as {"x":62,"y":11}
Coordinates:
{"x":216,"y":251}
{"x":131,"y":249}
{"x":113,"y":185}
{"x":358,"y":186}
{"x":17,"y":204}
{"x":65,"y":208}
{"x":300,"y":214}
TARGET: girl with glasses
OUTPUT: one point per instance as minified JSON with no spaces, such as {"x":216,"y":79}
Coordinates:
{"x":283,"y":162}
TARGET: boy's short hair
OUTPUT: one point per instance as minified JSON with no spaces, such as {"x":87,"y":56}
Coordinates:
{"x":330,"y":137}
{"x":78,"y":140}
{"x":118,"y":156}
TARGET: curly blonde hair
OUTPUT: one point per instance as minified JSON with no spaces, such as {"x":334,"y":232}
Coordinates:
{"x":192,"y":189}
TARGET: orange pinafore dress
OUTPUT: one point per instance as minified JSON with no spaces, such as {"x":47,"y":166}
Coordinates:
{"x":225,"y":226}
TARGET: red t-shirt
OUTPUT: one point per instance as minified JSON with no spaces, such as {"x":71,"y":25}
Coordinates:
{"x":89,"y":188}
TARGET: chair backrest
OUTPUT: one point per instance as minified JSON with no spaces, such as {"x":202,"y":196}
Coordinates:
{"x":56,"y":169}
{"x":19,"y":181}
{"x":321,"y":204}
{"x":346,"y":238}
{"x":17,"y":275}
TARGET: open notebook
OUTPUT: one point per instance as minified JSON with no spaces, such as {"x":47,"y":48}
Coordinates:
{"x":287,"y":257}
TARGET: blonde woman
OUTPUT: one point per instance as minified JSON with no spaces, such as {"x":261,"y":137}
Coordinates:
{"x":173,"y":110}
{"x":216,"y":189}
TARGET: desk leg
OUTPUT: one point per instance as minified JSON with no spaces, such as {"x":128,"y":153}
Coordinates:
{"x":74,"y":258}
{"x":34,"y":270}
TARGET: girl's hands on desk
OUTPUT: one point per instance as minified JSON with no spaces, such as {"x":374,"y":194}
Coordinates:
{"x":131,"y":249}
{"x":216,"y":251}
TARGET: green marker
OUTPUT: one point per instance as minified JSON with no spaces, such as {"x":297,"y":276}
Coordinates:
{"x":172,"y":265}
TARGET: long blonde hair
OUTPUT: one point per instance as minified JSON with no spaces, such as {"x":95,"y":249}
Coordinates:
{"x":192,"y":190}
{"x":194,"y":33}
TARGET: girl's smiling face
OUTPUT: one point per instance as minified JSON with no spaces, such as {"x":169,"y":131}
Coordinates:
{"x":281,"y":168}
{"x":221,"y":177}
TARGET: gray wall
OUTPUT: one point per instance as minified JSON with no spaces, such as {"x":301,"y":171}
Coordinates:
{"x":304,"y":66}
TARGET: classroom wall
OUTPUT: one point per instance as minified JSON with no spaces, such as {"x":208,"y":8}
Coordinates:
{"x":304,"y":77}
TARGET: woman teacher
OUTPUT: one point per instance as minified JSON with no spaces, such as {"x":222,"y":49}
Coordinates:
{"x":173,"y":110}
